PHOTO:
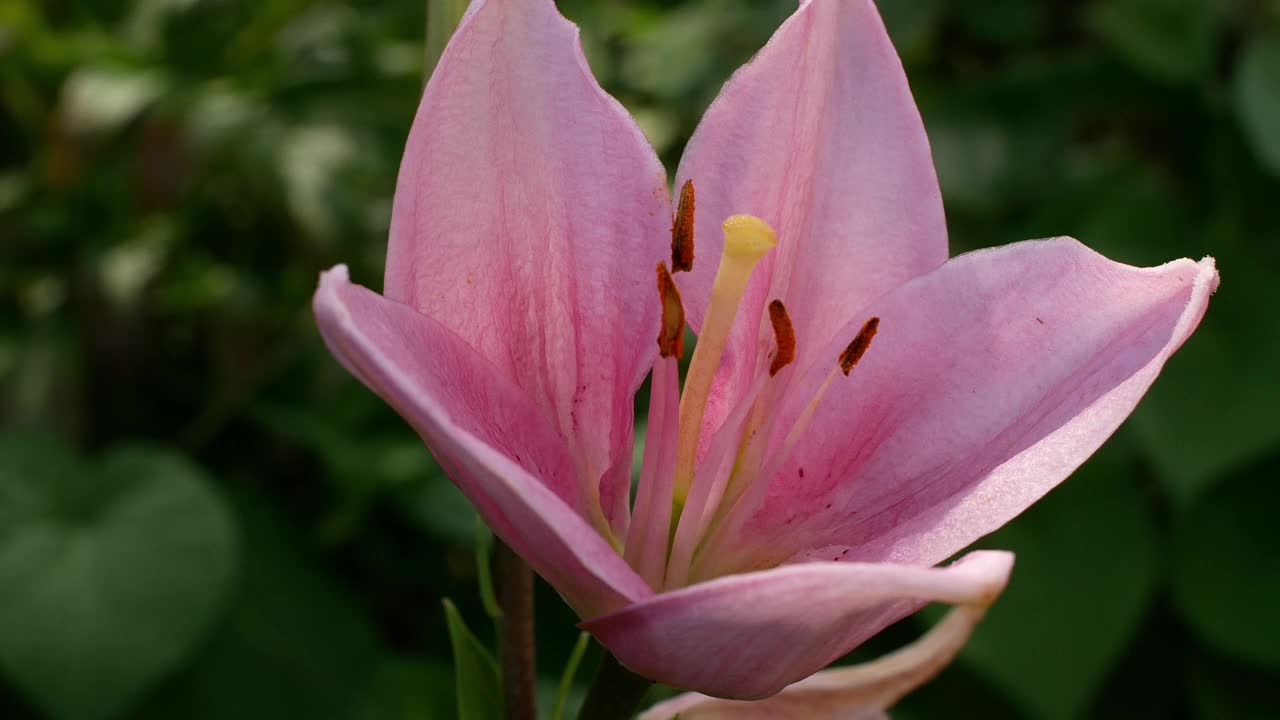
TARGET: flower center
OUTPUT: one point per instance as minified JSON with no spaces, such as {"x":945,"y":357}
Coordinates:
{"x":684,"y":499}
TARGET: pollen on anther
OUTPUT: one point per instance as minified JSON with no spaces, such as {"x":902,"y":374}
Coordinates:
{"x":682,"y":231}
{"x":671,"y":333}
{"x":785,"y":336}
{"x":853,"y":353}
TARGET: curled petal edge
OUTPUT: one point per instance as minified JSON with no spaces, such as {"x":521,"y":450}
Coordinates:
{"x":748,"y":636}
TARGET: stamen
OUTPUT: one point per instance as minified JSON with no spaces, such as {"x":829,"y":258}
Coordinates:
{"x":785,"y":336}
{"x":671,"y":334}
{"x":727,"y":524}
{"x":746,"y":240}
{"x":682,"y":231}
{"x":861,"y":342}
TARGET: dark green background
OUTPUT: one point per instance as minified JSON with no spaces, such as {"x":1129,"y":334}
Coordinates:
{"x":203,"y":516}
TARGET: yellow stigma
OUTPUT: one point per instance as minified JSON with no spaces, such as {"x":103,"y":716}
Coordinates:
{"x":746,"y":240}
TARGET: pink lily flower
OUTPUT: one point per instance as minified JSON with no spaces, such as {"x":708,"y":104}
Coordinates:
{"x":858,"y":407}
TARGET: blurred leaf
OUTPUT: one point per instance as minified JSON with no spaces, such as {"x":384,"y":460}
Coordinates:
{"x":1005,"y":22}
{"x":973,"y":157}
{"x":672,"y":55}
{"x":479,"y":686}
{"x":440,"y":508}
{"x":442,"y":18}
{"x":147,"y":21}
{"x":311,"y":160}
{"x":100,"y":99}
{"x":1085,"y":573}
{"x":294,"y":644}
{"x":1221,"y":691}
{"x":1257,"y":97}
{"x":1170,"y":39}
{"x":407,"y":689}
{"x":959,"y":686}
{"x":1226,"y":578}
{"x":109,"y":574}
{"x":912,"y":24}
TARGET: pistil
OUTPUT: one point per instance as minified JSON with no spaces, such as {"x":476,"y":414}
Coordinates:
{"x":746,"y":240}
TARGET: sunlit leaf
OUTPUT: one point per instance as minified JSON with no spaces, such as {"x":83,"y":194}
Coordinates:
{"x":102,"y":99}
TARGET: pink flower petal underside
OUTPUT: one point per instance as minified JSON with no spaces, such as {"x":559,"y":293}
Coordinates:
{"x":486,"y":434}
{"x":748,"y":636}
{"x":990,"y":381}
{"x":856,"y":692}
{"x":529,"y":214}
{"x":819,"y":136}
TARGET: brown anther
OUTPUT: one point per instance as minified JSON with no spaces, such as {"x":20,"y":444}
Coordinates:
{"x":861,"y":342}
{"x":784,"y":334}
{"x":682,"y":231}
{"x":671,"y":334}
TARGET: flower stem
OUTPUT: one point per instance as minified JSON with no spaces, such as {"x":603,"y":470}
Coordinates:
{"x":514,"y":585}
{"x":615,"y":693}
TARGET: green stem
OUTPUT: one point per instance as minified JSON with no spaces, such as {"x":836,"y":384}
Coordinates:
{"x":615,"y":693}
{"x":514,"y":585}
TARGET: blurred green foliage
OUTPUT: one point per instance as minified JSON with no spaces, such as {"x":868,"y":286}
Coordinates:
{"x":203,"y":516}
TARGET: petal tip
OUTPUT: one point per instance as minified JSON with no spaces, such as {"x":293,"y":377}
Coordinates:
{"x":326,"y":303}
{"x":1208,"y":275}
{"x":993,"y":568}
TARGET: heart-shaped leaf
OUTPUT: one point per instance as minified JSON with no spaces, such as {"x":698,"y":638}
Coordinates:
{"x":1226,"y":579}
{"x":110,"y":574}
{"x":294,"y":642}
{"x":1084,"y":574}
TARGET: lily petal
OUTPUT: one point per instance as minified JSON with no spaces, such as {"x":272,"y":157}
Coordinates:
{"x":858,"y":692}
{"x":819,"y":136}
{"x":529,"y":214}
{"x":748,"y":636}
{"x":484,"y":432}
{"x":990,"y":381}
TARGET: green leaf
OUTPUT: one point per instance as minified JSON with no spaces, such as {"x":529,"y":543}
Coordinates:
{"x":1257,"y":98}
{"x":110,"y":574}
{"x":1226,"y":578}
{"x":566,"y":679}
{"x":1085,"y":572}
{"x":293,"y":644}
{"x":1220,"y":690}
{"x":484,"y":569}
{"x":1172,"y":40}
{"x":479,"y":685}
